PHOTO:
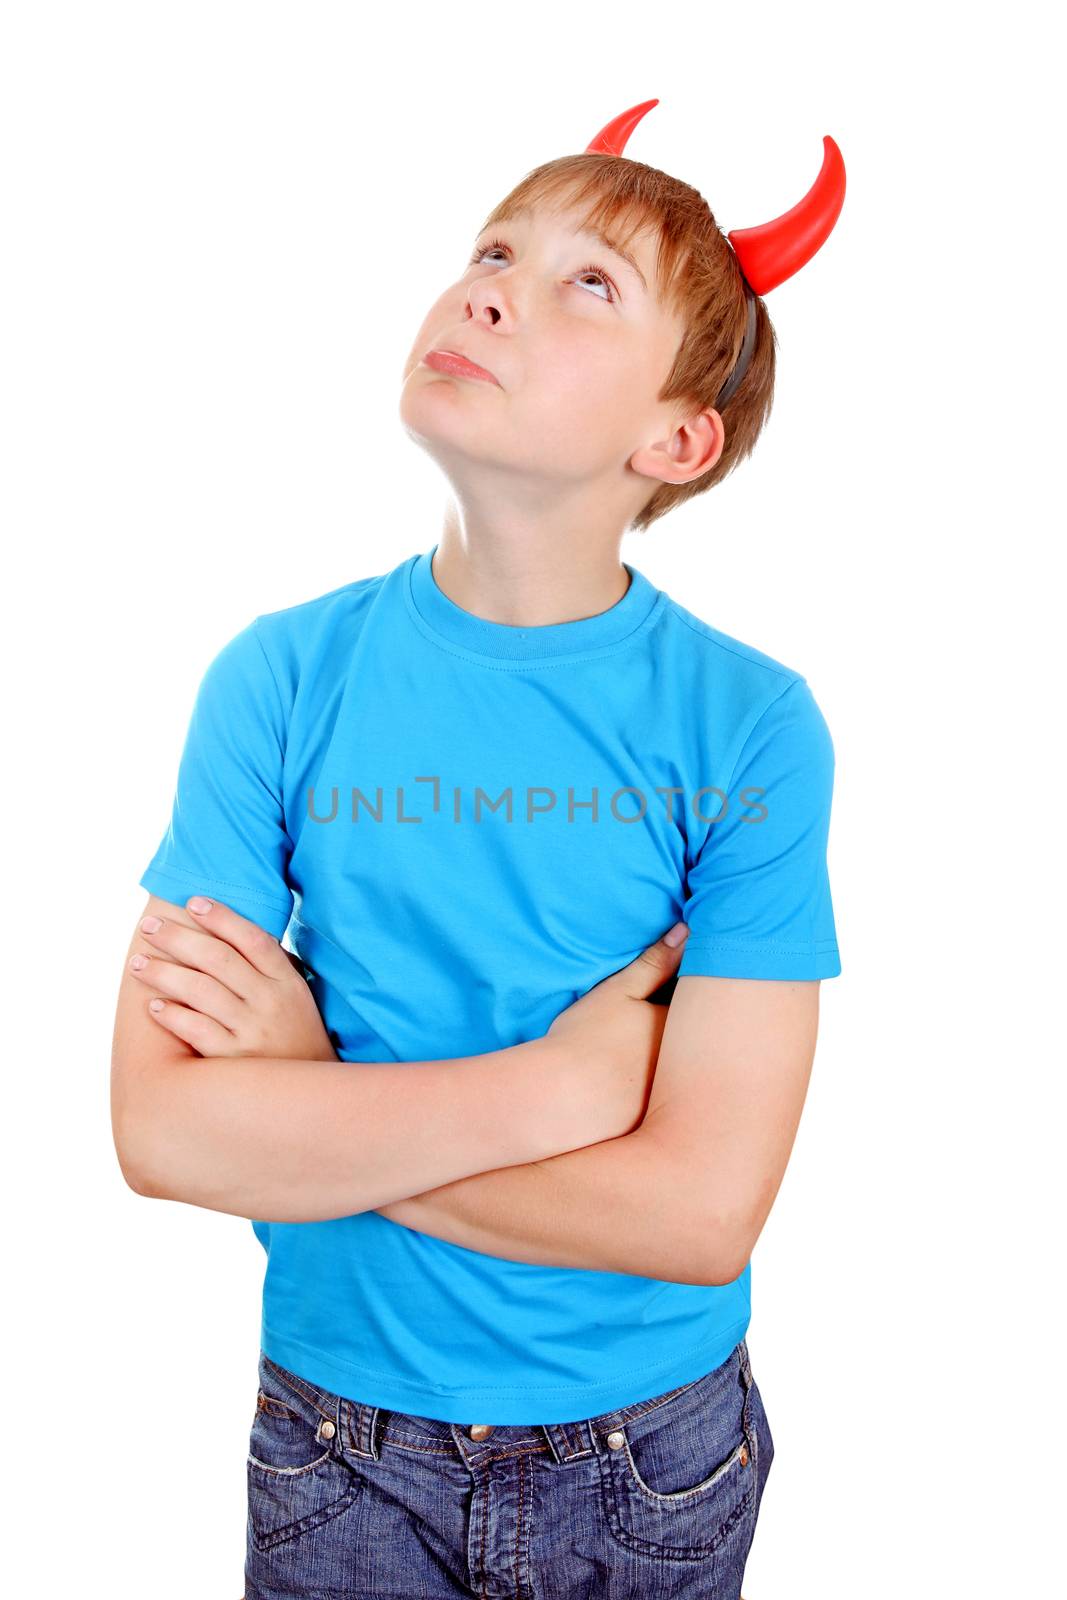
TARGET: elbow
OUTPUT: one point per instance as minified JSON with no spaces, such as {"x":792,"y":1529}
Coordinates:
{"x":133,"y":1131}
{"x":133,"y":1167}
{"x":724,"y":1269}
{"x":134,"y":1179}
{"x":729,"y":1240}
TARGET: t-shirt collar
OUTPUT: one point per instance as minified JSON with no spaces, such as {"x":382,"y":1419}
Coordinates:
{"x":504,"y":640}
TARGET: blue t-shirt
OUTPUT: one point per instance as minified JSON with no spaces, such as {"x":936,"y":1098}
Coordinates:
{"x":461,"y":826}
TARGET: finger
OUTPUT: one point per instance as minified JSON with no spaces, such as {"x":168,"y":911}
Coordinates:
{"x":259,"y":948}
{"x":190,"y":987}
{"x":207,"y":1038}
{"x":204,"y":951}
{"x":664,"y":955}
{"x":653,"y":965}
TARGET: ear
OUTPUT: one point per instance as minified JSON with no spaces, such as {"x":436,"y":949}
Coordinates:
{"x":692,"y":449}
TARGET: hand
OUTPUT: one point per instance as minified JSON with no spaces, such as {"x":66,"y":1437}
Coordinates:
{"x":612,"y":1036}
{"x":231,"y":989}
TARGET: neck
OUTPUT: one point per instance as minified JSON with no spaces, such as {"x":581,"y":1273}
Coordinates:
{"x":503,"y":576}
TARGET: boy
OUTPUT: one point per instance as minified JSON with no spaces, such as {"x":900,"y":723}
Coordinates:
{"x":507,"y":1287}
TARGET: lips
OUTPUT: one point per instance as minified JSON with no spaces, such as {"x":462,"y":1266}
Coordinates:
{"x":459,"y":366}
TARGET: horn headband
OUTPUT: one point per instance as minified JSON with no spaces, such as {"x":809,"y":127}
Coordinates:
{"x":769,"y":253}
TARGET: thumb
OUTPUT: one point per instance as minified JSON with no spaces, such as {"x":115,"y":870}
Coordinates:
{"x":655,"y":964}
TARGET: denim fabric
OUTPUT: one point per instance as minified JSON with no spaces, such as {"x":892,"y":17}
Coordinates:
{"x":658,"y":1498}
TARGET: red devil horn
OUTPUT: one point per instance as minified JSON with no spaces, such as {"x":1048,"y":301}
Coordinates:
{"x":775,"y":250}
{"x":611,"y":140}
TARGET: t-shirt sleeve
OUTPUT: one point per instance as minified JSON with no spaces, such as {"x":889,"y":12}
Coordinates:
{"x":227,"y":837}
{"x":759,"y":892}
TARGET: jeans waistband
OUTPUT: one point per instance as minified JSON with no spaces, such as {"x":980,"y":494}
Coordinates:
{"x":361,"y":1429}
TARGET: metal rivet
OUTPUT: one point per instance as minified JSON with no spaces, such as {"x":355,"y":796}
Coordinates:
{"x":616,"y":1441}
{"x":480,"y":1430}
{"x":743,"y":1457}
{"x":327,"y":1430}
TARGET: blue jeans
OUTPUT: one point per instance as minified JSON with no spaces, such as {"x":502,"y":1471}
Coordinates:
{"x":659,"y":1498}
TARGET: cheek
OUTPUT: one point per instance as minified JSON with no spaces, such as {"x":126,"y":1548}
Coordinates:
{"x":586,"y":383}
{"x":575,"y":369}
{"x":575,"y":412}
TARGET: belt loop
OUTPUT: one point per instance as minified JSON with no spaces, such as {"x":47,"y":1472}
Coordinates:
{"x":745,"y":1364}
{"x":359,"y":1425}
{"x":567,"y":1440}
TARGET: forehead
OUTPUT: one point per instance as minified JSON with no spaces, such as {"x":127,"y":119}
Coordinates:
{"x":636,"y":250}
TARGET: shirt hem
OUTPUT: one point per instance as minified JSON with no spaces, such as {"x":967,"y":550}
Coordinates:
{"x":723,"y":958}
{"x":183,"y":876}
{"x":505,"y":1404}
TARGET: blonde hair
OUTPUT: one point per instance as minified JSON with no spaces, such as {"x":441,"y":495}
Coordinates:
{"x":697,"y":276}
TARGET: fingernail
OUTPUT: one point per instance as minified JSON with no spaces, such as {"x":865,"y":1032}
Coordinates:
{"x":137,"y":962}
{"x":155,"y":1005}
{"x":150,"y":924}
{"x":198,"y":903}
{"x":679,"y":932}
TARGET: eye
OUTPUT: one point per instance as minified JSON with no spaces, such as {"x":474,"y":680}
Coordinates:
{"x":598,"y":272}
{"x":592,"y":271}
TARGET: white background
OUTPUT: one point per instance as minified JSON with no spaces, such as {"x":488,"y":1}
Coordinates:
{"x":224,"y":224}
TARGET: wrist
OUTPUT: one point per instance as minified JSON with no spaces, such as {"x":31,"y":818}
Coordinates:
{"x":558,"y":1114}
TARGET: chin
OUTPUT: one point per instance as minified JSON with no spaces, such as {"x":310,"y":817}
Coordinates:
{"x":433,"y":403}
{"x":431,"y":418}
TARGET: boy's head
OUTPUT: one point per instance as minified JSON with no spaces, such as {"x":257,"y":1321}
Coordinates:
{"x":607,"y":368}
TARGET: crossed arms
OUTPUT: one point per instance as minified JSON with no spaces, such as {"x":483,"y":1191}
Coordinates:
{"x":682,"y":1197}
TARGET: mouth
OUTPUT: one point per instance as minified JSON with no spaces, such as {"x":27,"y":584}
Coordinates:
{"x":457,"y":366}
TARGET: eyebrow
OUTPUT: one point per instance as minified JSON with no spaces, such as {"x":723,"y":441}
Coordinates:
{"x":592,"y":233}
{"x":617,"y":250}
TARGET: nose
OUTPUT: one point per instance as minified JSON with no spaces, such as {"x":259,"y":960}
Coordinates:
{"x":488,"y":302}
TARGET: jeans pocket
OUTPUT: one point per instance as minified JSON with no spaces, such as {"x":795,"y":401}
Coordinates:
{"x":764,"y":1442}
{"x":297,"y":1478}
{"x":680,"y":1479}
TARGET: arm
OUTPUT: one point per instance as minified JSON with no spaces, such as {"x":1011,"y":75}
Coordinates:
{"x":693,"y":1185}
{"x":302,"y":1141}
{"x":625,"y":1205}
{"x":683,"y":1197}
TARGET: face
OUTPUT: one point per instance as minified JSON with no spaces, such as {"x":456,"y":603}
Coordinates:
{"x":579,"y":347}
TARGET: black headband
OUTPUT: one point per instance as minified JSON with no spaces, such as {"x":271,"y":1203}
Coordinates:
{"x":748,"y":344}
